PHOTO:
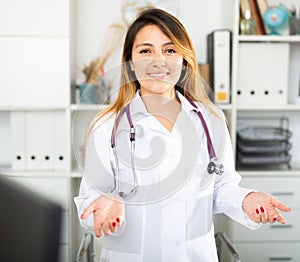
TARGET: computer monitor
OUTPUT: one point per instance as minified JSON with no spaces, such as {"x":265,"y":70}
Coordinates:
{"x":29,"y":225}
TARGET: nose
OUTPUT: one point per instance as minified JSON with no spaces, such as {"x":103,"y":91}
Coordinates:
{"x":158,"y":60}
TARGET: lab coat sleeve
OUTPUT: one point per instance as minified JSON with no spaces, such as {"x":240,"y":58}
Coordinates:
{"x":97,"y":176}
{"x":228,"y":195}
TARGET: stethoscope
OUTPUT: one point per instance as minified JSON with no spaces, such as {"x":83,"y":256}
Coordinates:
{"x":212,"y":166}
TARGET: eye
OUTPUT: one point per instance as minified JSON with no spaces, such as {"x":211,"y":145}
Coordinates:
{"x":144,"y":51}
{"x":171,"y":51}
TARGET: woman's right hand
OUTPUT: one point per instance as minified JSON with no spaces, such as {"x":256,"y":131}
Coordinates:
{"x":109,"y":213}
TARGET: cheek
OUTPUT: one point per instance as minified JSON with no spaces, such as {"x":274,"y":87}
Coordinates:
{"x":176,"y":69}
{"x":140,"y":68}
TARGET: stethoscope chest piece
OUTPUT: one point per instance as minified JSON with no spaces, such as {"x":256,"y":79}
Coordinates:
{"x":215,"y":168}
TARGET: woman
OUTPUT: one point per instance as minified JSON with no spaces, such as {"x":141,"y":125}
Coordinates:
{"x":146,"y":184}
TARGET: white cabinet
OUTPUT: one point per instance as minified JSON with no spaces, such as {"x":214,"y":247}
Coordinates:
{"x":34,"y":17}
{"x":269,"y":252}
{"x":265,"y":84}
{"x":35,"y":81}
{"x":272,"y":242}
{"x":34,"y":71}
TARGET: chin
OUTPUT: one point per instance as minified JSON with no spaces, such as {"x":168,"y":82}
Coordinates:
{"x":156,"y":87}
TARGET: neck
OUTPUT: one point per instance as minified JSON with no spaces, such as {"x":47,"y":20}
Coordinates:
{"x":163,"y":108}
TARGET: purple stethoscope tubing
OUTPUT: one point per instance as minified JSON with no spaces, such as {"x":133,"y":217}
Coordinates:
{"x":212,"y":167}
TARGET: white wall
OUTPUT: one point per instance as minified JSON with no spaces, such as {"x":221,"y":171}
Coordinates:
{"x":93,"y":17}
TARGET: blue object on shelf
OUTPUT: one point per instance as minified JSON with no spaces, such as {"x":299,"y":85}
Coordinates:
{"x":87,"y":93}
{"x":277,"y":18}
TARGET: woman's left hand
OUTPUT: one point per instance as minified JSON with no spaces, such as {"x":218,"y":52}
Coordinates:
{"x":263,"y":208}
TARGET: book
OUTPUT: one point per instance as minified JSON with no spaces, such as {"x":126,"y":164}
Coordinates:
{"x":256,"y":16}
{"x":262,"y":6}
{"x":244,"y":5}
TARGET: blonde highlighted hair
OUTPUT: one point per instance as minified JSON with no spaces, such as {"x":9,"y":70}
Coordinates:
{"x":190,"y":83}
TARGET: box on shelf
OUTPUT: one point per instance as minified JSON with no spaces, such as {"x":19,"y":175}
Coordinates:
{"x":263,"y":74}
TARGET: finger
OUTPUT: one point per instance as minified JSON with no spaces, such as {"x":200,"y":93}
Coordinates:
{"x":281,"y":219}
{"x":106,"y":228}
{"x":272,"y":220}
{"x":89,"y":210}
{"x":118,"y":220}
{"x":263,"y":215}
{"x":255,"y":215}
{"x":97,"y":229}
{"x":113,"y":226}
{"x":278,"y":204}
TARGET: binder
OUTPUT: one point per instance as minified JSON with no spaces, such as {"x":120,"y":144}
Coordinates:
{"x":46,"y":138}
{"x":60,"y":141}
{"x":219,"y":59}
{"x":18,"y":138}
{"x":32,"y":140}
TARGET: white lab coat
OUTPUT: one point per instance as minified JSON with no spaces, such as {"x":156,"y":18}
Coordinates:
{"x":171,"y":221}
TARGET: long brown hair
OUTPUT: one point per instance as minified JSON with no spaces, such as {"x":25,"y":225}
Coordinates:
{"x":190,"y":84}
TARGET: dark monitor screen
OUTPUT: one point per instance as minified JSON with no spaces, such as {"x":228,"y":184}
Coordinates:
{"x":29,"y":225}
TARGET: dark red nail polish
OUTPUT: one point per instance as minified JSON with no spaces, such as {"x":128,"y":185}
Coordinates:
{"x":114,"y":224}
{"x":118,"y":220}
{"x":262,"y":209}
{"x":257,"y":211}
{"x":275,"y":218}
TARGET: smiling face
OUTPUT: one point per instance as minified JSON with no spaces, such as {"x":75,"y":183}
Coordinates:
{"x":156,"y":62}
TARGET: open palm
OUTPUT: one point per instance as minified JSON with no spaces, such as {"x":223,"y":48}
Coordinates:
{"x":264,"y":208}
{"x":108,"y":213}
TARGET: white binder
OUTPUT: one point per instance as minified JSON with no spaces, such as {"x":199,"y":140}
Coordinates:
{"x":60,"y":141}
{"x":32,"y":127}
{"x":219,"y":59}
{"x":263,"y":74}
{"x":18,"y":138}
{"x":46,"y":137}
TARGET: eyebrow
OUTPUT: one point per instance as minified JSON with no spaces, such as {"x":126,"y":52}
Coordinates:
{"x":148,"y":44}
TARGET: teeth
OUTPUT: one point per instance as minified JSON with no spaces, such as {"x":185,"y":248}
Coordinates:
{"x":158,"y":74}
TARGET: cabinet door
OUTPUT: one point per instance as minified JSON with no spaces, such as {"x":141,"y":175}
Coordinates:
{"x":34,"y":71}
{"x":270,"y":232}
{"x":34,"y":17}
{"x":285,"y":189}
{"x":269,"y":252}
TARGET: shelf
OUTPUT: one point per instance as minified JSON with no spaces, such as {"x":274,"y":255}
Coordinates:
{"x":226,"y":107}
{"x":289,"y":107}
{"x":269,"y":38}
{"x":87,"y":107}
{"x":32,"y":108}
{"x":38,"y":173}
{"x":267,"y":173}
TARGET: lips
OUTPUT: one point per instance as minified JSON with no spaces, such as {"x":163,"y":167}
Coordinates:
{"x":158,"y":75}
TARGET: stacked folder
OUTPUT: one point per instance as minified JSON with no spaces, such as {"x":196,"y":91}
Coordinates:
{"x":264,"y":145}
{"x":39,"y":140}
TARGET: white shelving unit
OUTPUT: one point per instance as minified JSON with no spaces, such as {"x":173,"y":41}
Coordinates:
{"x":273,"y":242}
{"x":18,"y":28}
{"x":35,"y":80}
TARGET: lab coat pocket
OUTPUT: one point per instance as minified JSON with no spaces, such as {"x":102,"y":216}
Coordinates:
{"x":130,"y":241}
{"x":203,"y":248}
{"x":199,"y":216}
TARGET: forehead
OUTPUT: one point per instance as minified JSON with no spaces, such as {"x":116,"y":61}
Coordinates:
{"x":149,"y":34}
